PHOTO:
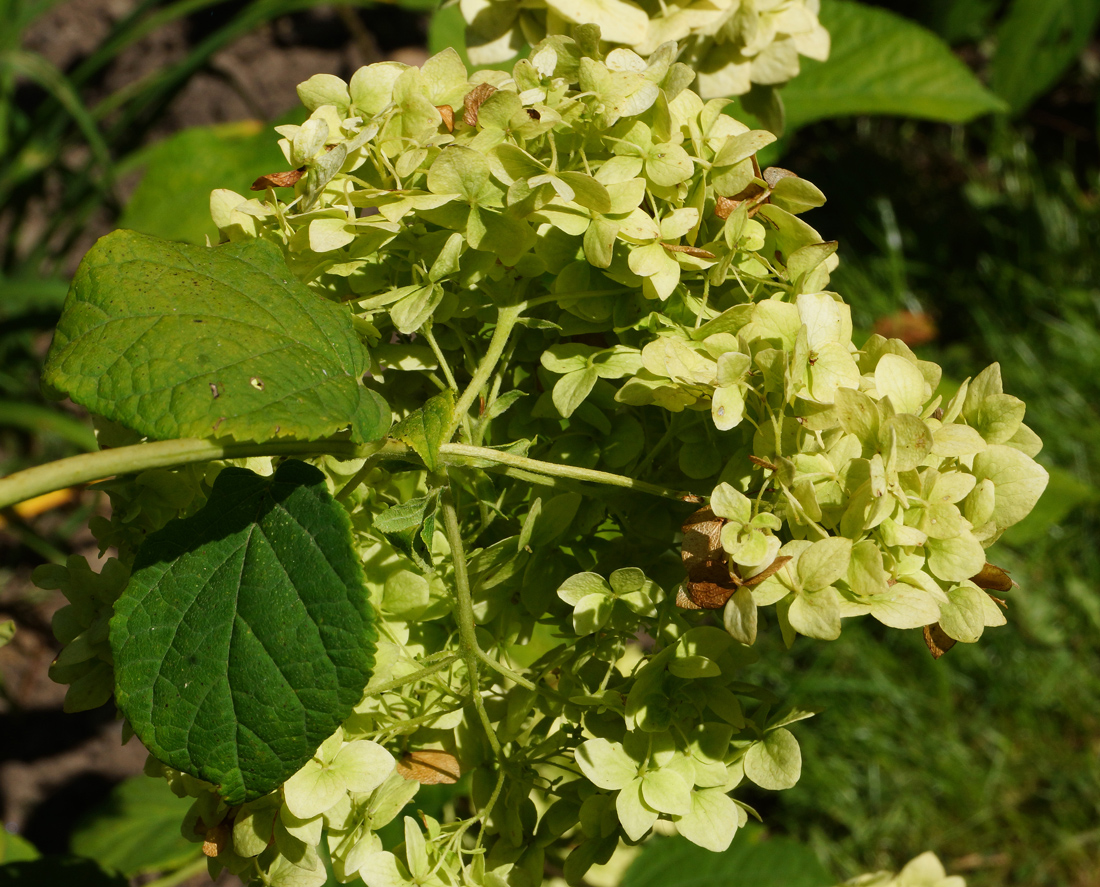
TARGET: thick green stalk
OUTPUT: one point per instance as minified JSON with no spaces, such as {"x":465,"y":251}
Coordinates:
{"x":89,"y":467}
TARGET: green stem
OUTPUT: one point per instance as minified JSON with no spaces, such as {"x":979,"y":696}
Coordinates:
{"x":467,"y":631}
{"x":469,"y":454}
{"x":506,"y":320}
{"x":417,"y":675}
{"x":89,"y":467}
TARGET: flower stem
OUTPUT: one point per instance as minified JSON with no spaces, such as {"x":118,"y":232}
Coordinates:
{"x":506,"y":320}
{"x":160,"y":454}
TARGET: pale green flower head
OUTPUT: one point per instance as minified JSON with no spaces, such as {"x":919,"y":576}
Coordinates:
{"x":733,"y":44}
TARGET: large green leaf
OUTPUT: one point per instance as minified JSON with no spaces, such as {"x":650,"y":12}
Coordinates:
{"x":1036,"y":42}
{"x":173,"y":198}
{"x":881,"y":63}
{"x":176,"y":341}
{"x":137,"y":829}
{"x":749,"y":862}
{"x":245,"y":636}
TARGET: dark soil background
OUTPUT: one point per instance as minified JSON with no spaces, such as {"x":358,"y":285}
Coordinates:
{"x":54,"y":767}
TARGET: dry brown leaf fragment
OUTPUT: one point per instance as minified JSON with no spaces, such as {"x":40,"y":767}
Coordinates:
{"x":429,"y":767}
{"x":279,"y":179}
{"x":762,"y":463}
{"x":938,"y":641}
{"x":992,"y":577}
{"x":475,"y":98}
{"x":690,"y":250}
{"x":768,"y":571}
{"x":216,"y":839}
{"x":448,"y":115}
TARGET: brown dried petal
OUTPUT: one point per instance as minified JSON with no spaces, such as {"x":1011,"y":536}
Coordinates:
{"x":683,"y":599}
{"x":279,"y":179}
{"x":448,"y":115}
{"x":702,"y":538}
{"x":995,"y":578}
{"x":723,"y":206}
{"x":430,"y":767}
{"x":937,"y":640}
{"x":774,"y":173}
{"x":475,"y":98}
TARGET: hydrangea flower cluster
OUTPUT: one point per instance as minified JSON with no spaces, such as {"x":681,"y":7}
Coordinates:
{"x":732,"y":44}
{"x":590,"y":257}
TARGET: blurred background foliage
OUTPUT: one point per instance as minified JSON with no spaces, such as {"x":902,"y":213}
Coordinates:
{"x":972,"y":232}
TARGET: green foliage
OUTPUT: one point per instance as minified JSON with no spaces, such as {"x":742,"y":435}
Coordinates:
{"x":753,"y":861}
{"x":1036,"y":42}
{"x":244,"y":636}
{"x":254,"y":355}
{"x":172,"y":199}
{"x":15,"y":849}
{"x":881,"y":63}
{"x":588,"y":306}
{"x":136,"y":830}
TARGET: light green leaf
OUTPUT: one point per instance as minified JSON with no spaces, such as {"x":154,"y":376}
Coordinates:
{"x":666,"y":791}
{"x":816,"y":614}
{"x":963,"y":617}
{"x":881,"y":63}
{"x":712,"y":820}
{"x":571,"y":390}
{"x":606,"y":764}
{"x":740,"y":618}
{"x":901,"y":381}
{"x":592,"y":612}
{"x":955,"y":559}
{"x":313,"y":790}
{"x":775,"y":762}
{"x":904,"y":606}
{"x":246,"y":635}
{"x":7,"y":631}
{"x":1018,"y":481}
{"x":824,"y":562}
{"x":635,"y":815}
{"x":183,"y":341}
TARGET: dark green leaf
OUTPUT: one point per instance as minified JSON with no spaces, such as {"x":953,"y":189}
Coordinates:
{"x":246,"y":635}
{"x":57,"y":871}
{"x":881,"y":63}
{"x":1036,"y":42}
{"x":749,"y":862}
{"x":188,"y":341}
{"x":424,"y":429}
{"x":137,"y":829}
